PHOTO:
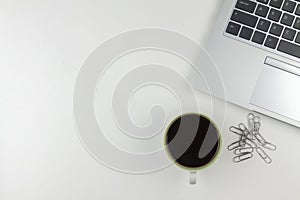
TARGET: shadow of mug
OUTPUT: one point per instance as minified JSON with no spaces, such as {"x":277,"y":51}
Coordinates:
{"x":193,"y":142}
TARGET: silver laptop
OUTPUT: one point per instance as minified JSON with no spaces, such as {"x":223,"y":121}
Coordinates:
{"x":256,"y":46}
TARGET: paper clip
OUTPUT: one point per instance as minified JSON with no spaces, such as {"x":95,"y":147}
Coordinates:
{"x":259,"y":138}
{"x":250,"y":143}
{"x":256,"y":119}
{"x":243,"y":151}
{"x":256,"y":126}
{"x":263,"y":155}
{"x":234,"y":145}
{"x":243,"y":127}
{"x":246,"y":131}
{"x":250,"y":116}
{"x":250,"y":139}
{"x":270,"y":146}
{"x":243,"y":141}
{"x":236,"y":130}
{"x":242,"y":157}
{"x":250,"y":119}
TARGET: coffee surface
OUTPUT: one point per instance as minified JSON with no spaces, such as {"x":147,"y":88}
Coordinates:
{"x":192,"y":141}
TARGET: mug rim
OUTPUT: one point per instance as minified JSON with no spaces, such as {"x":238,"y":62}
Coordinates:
{"x":193,"y":168}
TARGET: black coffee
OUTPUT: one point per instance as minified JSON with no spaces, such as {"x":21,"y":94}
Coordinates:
{"x":192,"y":140}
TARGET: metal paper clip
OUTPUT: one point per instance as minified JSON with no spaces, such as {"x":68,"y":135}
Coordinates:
{"x":251,"y":143}
{"x":250,"y":139}
{"x":243,"y":141}
{"x":236,"y":130}
{"x":250,"y":119}
{"x":234,"y":145}
{"x":270,"y":146}
{"x":250,"y":116}
{"x":243,"y":151}
{"x":248,"y":134}
{"x":243,"y":127}
{"x":256,"y":119}
{"x":242,"y":157}
{"x":263,"y":155}
{"x":259,"y":138}
{"x":256,"y":126}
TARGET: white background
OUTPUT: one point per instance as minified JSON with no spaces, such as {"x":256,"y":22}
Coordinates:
{"x":42,"y":46}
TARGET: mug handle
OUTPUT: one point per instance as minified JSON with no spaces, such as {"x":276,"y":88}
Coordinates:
{"x":193,"y":177}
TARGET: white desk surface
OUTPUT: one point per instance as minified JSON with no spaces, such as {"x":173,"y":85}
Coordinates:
{"x":42,"y":46}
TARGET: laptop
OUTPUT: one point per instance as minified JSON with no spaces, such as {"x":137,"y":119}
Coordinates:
{"x":256,"y":47}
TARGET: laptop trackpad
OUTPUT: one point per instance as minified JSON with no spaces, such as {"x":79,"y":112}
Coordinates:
{"x":278,"y":91}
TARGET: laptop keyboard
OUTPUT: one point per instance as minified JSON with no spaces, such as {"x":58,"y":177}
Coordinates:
{"x":273,"y":24}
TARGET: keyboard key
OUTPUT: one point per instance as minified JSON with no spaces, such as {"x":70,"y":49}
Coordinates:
{"x":271,"y":42}
{"x":276,"y":29}
{"x":289,"y":48}
{"x":258,"y":37}
{"x":246,"y":33}
{"x":246,"y":5}
{"x":276,"y":3}
{"x":287,"y":19}
{"x":289,"y":34}
{"x":263,"y":25}
{"x":244,"y":18}
{"x":289,"y":6}
{"x":233,"y":28}
{"x":263,"y":1}
{"x":297,"y":12}
{"x":262,"y":10}
{"x":297,"y":23}
{"x":298,"y":38}
{"x":274,"y":15}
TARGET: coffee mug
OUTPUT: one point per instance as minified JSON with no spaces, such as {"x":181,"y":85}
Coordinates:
{"x":193,"y":142}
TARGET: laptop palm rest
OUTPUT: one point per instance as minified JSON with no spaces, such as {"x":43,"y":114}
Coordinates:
{"x":278,"y":90}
